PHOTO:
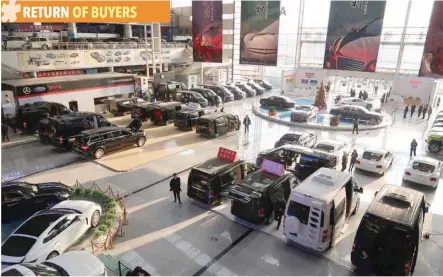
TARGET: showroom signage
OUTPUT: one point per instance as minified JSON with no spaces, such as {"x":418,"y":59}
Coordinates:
{"x":227,"y":155}
{"x":432,"y":60}
{"x":259,"y":30}
{"x":71,"y":86}
{"x":353,"y":37}
{"x":207,"y":31}
{"x":58,"y":73}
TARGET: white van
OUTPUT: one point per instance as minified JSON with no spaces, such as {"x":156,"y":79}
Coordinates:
{"x":318,"y":208}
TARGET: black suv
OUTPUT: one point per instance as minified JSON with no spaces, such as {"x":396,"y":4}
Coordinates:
{"x":298,"y":138}
{"x":235,"y":90}
{"x":187,"y":96}
{"x":253,"y":200}
{"x":212,"y":97}
{"x":29,"y":115}
{"x":60,"y":131}
{"x":166,"y":91}
{"x":388,"y":238}
{"x":119,"y":107}
{"x":247,"y":89}
{"x":221,"y":91}
{"x":98,"y":142}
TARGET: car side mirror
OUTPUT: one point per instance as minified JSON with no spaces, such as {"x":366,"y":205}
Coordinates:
{"x":426,"y":209}
{"x":359,"y":190}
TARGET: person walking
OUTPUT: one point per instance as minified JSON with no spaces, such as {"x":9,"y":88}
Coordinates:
{"x":175,"y":187}
{"x":405,"y":111}
{"x":413,"y":148}
{"x":360,"y":95}
{"x":5,"y":132}
{"x":246,"y":122}
{"x":355,"y":124}
{"x":279,"y":208}
{"x":425,"y":109}
{"x":413,"y":109}
{"x":420,"y":109}
{"x":354,"y":157}
{"x":429,"y":112}
{"x":344,"y":161}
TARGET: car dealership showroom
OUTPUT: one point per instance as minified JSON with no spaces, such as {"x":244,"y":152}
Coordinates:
{"x":287,"y":137}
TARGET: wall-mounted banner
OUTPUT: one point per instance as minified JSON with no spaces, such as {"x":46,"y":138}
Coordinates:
{"x":259,"y":32}
{"x":432,"y":61}
{"x":353,"y":37}
{"x":207,"y":31}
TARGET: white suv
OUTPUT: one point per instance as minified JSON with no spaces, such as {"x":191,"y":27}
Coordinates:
{"x":36,"y":42}
{"x":14,"y":42}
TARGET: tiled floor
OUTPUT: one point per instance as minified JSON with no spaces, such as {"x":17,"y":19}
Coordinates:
{"x":166,"y":238}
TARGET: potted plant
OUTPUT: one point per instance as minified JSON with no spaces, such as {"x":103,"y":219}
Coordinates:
{"x":272,"y":111}
{"x":334,"y":121}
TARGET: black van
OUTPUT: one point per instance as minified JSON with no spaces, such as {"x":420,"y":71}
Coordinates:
{"x":216,"y":124}
{"x":166,"y":91}
{"x":29,"y":115}
{"x":207,"y":180}
{"x":120,"y":106}
{"x":253,"y":200}
{"x":301,"y":160}
{"x":212,"y":97}
{"x":164,"y":112}
{"x":221,"y":91}
{"x":187,"y":96}
{"x":388,"y":237}
{"x":186,"y":119}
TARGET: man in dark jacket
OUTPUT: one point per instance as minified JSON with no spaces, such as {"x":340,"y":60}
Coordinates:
{"x":406,"y":111}
{"x":175,"y":187}
{"x":344,"y":161}
{"x":355,"y":125}
{"x":425,"y":109}
{"x":246,"y":122}
{"x":279,"y":208}
{"x":135,"y":124}
{"x":429,"y":112}
{"x":413,"y":109}
{"x":420,"y":109}
{"x":4,"y":132}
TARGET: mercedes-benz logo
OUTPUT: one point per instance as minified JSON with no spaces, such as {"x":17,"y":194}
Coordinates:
{"x":26,"y":90}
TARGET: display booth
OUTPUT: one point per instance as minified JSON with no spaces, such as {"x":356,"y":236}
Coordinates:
{"x":302,"y":82}
{"x":412,"y":91}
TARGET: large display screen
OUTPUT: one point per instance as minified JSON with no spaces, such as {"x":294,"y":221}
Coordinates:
{"x":353,"y":37}
{"x":207,"y":31}
{"x":259,"y":29}
{"x":432,"y":61}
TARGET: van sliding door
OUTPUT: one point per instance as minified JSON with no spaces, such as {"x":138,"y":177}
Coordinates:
{"x":338,"y":215}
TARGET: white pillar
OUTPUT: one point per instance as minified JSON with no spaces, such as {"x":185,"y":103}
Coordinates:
{"x":111,"y":69}
{"x":403,"y":37}
{"x":127,"y":31}
{"x":201,"y":74}
{"x":72,"y":31}
{"x":146,"y":49}
{"x":153,"y":42}
{"x":299,"y":33}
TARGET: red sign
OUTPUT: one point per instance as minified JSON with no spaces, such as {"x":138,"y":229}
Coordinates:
{"x":43,"y":74}
{"x":273,"y":168}
{"x":54,"y":87}
{"x":227,"y":155}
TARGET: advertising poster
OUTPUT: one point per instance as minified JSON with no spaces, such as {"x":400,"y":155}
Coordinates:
{"x":353,"y":36}
{"x":41,"y":60}
{"x":432,"y":61}
{"x":259,"y":29}
{"x":109,"y":57}
{"x":207,"y":31}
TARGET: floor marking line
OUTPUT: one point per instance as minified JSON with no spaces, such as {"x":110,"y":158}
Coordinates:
{"x":223,"y":252}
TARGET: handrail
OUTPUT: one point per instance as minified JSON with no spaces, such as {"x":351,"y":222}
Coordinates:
{"x":98,"y":45}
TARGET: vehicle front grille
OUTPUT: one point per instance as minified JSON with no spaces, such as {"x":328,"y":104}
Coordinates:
{"x":349,"y":64}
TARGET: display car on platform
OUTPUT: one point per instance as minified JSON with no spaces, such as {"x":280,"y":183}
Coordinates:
{"x":424,"y":171}
{"x":216,"y":124}
{"x":298,"y":138}
{"x":73,"y":263}
{"x":98,"y":142}
{"x":22,"y":199}
{"x":351,"y":112}
{"x":303,"y":113}
{"x":49,"y":233}
{"x":355,"y":101}
{"x":375,"y":160}
{"x":279,"y":102}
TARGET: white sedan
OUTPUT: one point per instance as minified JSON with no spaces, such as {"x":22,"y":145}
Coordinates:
{"x":356,"y":102}
{"x":302,"y":113}
{"x":334,"y":147}
{"x":49,"y":233}
{"x":375,"y":160}
{"x":424,"y":171}
{"x":73,"y":263}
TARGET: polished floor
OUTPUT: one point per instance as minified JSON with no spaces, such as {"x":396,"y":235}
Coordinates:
{"x":166,"y":238}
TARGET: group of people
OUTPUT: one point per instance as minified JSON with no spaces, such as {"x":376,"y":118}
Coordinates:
{"x":363,"y":94}
{"x":422,"y":110}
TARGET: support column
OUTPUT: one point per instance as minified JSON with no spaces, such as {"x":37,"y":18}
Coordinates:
{"x":403,"y":37}
{"x":201,"y":74}
{"x":299,"y":33}
{"x":127,"y":31}
{"x":153,"y":44}
{"x":145,"y":28}
{"x":72,"y":31}
{"x":111,"y":69}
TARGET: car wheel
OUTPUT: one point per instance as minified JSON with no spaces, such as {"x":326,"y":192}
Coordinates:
{"x":270,"y":218}
{"x":99,"y":153}
{"x":95,"y":218}
{"x":45,"y":46}
{"x":356,"y":207}
{"x":434,"y":147}
{"x":51,"y":255}
{"x":373,"y":121}
{"x":141,"y":142}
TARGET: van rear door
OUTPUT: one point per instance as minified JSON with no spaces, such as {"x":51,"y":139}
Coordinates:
{"x":304,"y":219}
{"x":338,"y":215}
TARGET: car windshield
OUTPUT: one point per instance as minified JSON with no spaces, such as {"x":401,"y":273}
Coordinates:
{"x":300,"y":211}
{"x":37,"y":224}
{"x":372,"y":156}
{"x":303,"y":108}
{"x":17,"y":246}
{"x":325,"y":147}
{"x":43,"y":270}
{"x":26,"y":188}
{"x":423,"y":167}
{"x":198,"y":95}
{"x":211,"y":93}
{"x":290,"y":137}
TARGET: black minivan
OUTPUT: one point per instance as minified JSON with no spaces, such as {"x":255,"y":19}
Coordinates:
{"x":388,"y":237}
{"x":215,"y":124}
{"x":207,"y":180}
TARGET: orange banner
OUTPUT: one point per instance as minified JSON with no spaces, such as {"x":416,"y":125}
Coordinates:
{"x":97,"y":11}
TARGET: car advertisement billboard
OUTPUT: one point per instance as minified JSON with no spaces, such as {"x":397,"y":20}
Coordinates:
{"x":259,"y":27}
{"x":353,"y":36}
{"x":432,"y":60}
{"x":207,"y":31}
